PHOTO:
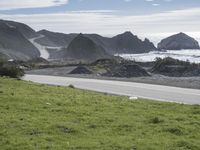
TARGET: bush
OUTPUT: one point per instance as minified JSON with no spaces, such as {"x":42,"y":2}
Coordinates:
{"x":11,"y":70}
{"x":176,"y":68}
{"x":71,"y":86}
{"x":156,"y":120}
{"x":175,"y":131}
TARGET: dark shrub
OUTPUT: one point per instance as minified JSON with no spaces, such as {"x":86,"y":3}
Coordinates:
{"x":156,"y":120}
{"x":175,"y":131}
{"x":11,"y":70}
{"x":175,"y":68}
{"x":71,"y":86}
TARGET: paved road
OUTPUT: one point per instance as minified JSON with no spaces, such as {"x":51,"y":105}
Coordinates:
{"x":155,"y":92}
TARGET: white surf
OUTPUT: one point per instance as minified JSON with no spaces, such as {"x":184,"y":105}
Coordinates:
{"x":184,"y":55}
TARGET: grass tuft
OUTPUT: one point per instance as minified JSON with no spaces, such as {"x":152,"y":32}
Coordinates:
{"x":156,"y":120}
{"x":71,"y":86}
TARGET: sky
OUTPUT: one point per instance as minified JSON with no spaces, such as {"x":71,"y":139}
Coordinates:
{"x":107,"y":17}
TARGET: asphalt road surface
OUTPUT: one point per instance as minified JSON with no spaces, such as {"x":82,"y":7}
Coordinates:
{"x":148,"y":91}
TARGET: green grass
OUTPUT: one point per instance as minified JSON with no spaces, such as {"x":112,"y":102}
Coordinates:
{"x":37,"y":117}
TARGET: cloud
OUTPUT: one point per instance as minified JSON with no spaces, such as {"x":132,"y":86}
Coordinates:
{"x":109,"y":23}
{"x":156,"y":4}
{"x":168,"y":0}
{"x":127,"y":0}
{"x":17,"y":4}
{"x":149,"y":0}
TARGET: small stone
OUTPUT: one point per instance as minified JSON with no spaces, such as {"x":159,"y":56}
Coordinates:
{"x":133,"y":98}
{"x":48,"y":103}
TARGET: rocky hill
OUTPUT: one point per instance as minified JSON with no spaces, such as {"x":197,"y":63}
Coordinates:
{"x":24,"y":29}
{"x":178,"y":42}
{"x":55,"y":39}
{"x":129,"y":43}
{"x":123,"y":43}
{"x":82,"y":48}
{"x":14,"y":44}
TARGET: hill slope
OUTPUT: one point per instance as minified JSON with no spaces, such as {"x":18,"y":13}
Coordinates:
{"x":129,"y":43}
{"x":123,"y":43}
{"x":14,"y":44}
{"x":24,"y":29}
{"x":83,"y":48}
{"x":55,"y":39}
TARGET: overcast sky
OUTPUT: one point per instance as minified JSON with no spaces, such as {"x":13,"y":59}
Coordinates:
{"x":107,"y":17}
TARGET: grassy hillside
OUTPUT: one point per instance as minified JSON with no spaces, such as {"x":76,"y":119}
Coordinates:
{"x":37,"y":117}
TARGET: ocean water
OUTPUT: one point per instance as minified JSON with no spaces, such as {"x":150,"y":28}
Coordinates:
{"x":184,"y":55}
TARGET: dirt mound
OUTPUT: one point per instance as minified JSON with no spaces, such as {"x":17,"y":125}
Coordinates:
{"x":81,"y":70}
{"x":126,"y":70}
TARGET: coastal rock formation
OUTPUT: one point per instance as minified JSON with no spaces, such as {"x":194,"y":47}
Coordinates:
{"x":178,"y":42}
{"x":83,"y":49}
{"x":122,"y":43}
{"x":129,"y":43}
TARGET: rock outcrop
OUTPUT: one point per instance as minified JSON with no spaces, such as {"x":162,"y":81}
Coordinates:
{"x":122,"y":43}
{"x":129,"y":43}
{"x":55,"y":39}
{"x":83,"y":49}
{"x":175,"y":68}
{"x":178,"y":42}
{"x":24,"y":29}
